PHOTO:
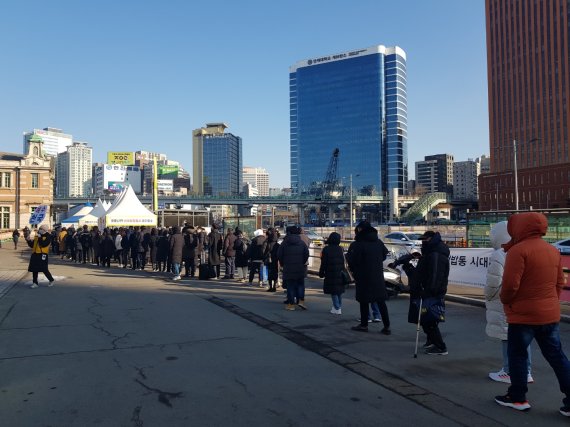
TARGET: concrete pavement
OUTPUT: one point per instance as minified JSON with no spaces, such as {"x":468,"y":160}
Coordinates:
{"x":115,"y":347}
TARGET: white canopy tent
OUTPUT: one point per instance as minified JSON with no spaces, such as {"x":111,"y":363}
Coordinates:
{"x":127,"y":210}
{"x":74,"y":219}
{"x":92,"y":218}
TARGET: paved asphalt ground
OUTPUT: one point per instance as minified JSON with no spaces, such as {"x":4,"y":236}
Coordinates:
{"x":110,"y":347}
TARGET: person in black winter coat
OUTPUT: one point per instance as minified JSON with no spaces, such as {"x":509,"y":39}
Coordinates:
{"x":292,"y":254}
{"x":432,"y":274}
{"x":256,"y":254}
{"x":200,"y":243}
{"x":240,"y":247}
{"x":126,"y":246}
{"x":332,"y":266}
{"x":229,"y":254}
{"x":107,"y":248}
{"x":270,"y":259}
{"x":189,"y":251}
{"x":135,"y":243}
{"x":365,"y":258}
{"x":153,"y":248}
{"x":215,"y":244}
{"x":162,"y":251}
{"x":176,"y":246}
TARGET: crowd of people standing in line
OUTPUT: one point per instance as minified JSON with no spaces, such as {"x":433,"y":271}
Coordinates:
{"x":524,"y":279}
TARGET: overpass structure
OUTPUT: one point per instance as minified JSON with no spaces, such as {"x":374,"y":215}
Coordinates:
{"x":229,"y":200}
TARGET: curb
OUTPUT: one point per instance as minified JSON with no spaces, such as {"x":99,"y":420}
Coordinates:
{"x":564,"y":318}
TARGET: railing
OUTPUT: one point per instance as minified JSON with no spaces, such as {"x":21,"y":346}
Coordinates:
{"x":424,"y":205}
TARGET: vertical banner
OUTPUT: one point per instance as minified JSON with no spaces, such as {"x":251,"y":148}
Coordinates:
{"x":155,"y":187}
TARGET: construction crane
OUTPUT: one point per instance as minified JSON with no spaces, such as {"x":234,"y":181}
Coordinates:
{"x":330,"y":184}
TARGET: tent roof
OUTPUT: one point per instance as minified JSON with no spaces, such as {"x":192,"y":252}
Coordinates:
{"x":97,"y":212}
{"x":128,"y":210}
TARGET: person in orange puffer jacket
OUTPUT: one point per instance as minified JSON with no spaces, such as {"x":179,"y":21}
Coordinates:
{"x":530,"y":293}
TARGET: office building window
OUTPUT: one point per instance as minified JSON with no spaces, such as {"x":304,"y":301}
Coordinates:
{"x":5,"y":217}
{"x":35,"y":180}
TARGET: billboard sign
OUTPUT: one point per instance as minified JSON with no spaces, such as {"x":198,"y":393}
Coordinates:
{"x":121,"y":157}
{"x":165,"y":185}
{"x":167,"y":170}
{"x":115,"y":187}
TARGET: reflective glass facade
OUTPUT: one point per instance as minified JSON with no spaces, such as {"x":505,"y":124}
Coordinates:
{"x":354,"y":101}
{"x":222,"y":165}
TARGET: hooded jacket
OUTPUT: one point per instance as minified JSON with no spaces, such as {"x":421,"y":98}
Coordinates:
{"x":533,"y":279}
{"x":433,"y":267}
{"x":332,"y":264}
{"x":365,"y":258}
{"x":496,"y":320}
{"x":293,"y":254}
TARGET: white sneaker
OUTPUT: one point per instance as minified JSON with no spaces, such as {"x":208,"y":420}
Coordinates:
{"x":50,"y":284}
{"x":176,"y":278}
{"x":34,"y":286}
{"x":501,"y":377}
{"x":529,"y":378}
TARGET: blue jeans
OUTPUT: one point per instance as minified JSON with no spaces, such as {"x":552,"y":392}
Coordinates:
{"x":336,"y":301}
{"x":295,"y":290}
{"x":375,"y":311}
{"x":505,"y":347}
{"x":176,"y":268}
{"x":548,"y":339}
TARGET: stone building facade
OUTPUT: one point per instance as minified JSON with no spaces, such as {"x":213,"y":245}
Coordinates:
{"x":26,"y":181}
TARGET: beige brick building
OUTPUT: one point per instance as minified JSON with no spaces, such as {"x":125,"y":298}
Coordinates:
{"x":26,"y":181}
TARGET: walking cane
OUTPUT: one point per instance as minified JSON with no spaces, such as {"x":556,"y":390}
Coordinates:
{"x":418,"y":329}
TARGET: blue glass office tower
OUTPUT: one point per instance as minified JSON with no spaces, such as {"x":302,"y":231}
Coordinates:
{"x":354,"y":101}
{"x":217,"y":161}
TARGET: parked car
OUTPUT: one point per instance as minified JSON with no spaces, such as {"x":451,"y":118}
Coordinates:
{"x":563,"y":246}
{"x":402,"y":238}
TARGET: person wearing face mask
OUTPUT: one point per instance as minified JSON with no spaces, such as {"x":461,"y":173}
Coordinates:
{"x":39,"y":259}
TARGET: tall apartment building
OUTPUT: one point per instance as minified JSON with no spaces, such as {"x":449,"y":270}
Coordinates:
{"x":74,"y":171}
{"x":427,"y":176}
{"x":26,"y":181}
{"x":217,"y":161}
{"x":257,"y":177}
{"x":528,"y":69}
{"x":444,"y":172}
{"x":354,"y":101}
{"x":55,"y":141}
{"x":465,"y":176}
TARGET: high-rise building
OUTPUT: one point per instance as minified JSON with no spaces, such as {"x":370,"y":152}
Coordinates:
{"x":145,"y":157}
{"x":217,"y":161}
{"x":55,"y":141}
{"x":354,"y":101}
{"x":528,"y":74}
{"x":74,"y":171}
{"x":257,"y":177}
{"x":427,"y":177}
{"x":115,"y":178}
{"x":465,"y":176}
{"x":444,"y":172}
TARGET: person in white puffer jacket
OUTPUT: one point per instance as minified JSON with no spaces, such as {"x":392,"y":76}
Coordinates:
{"x":497,"y":326}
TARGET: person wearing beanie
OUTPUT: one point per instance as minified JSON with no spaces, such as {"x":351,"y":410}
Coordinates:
{"x":39,"y":258}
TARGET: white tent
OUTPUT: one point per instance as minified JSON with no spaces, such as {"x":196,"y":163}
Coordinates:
{"x":92,"y":217}
{"x":74,"y":220}
{"x":127,"y":210}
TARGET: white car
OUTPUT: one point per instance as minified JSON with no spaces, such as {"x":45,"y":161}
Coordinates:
{"x":402,"y":238}
{"x":563,"y":246}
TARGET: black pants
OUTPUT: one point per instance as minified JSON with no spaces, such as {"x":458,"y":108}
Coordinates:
{"x":106,"y":261}
{"x":190,"y":266}
{"x":125,"y":257}
{"x":383,"y":313}
{"x":434,"y":335}
{"x":47,"y":274}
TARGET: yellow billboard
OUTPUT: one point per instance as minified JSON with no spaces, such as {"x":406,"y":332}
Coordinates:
{"x":126,"y":158}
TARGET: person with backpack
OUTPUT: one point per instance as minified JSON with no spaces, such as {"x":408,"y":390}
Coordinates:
{"x":257,"y":254}
{"x":241,"y":257}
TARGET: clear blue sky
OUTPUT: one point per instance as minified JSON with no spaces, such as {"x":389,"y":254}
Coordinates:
{"x":131,"y":75}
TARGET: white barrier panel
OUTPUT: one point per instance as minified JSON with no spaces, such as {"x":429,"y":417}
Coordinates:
{"x":469,"y":266}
